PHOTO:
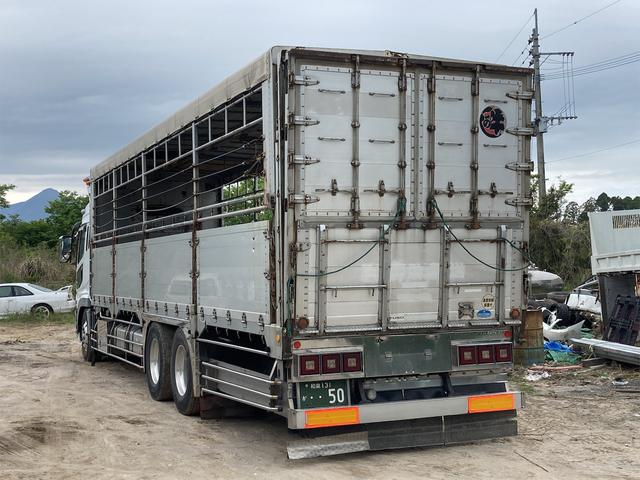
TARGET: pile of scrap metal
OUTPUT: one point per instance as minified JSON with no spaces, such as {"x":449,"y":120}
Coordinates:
{"x":566,"y":314}
{"x":615,"y":261}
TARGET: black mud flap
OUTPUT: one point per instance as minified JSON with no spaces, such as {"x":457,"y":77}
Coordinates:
{"x":425,"y":432}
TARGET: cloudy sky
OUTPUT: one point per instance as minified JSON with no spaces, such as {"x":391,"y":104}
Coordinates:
{"x":79,"y":80}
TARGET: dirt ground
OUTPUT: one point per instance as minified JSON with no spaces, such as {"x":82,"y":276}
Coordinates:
{"x":61,"y":418}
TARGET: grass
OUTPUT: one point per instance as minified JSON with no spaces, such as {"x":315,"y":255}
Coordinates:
{"x":27,"y":319}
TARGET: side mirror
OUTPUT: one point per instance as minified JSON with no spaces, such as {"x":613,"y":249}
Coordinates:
{"x":64,"y":249}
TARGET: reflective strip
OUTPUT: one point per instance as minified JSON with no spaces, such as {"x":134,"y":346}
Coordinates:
{"x":491,"y":403}
{"x":332,"y":417}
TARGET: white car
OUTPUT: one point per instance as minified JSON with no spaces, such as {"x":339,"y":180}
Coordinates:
{"x":27,"y":297}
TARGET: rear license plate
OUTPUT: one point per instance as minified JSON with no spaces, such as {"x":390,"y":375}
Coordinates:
{"x":325,"y":393}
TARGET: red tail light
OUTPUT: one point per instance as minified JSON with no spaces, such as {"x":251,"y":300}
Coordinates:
{"x":467,"y":355}
{"x":485,"y":354}
{"x":503,"y":352}
{"x":310,"y":365}
{"x":352,"y":362}
{"x":331,"y":363}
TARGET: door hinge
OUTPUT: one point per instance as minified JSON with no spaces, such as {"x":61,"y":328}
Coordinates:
{"x":302,"y":198}
{"x":521,"y":131}
{"x":519,"y":201}
{"x":302,"y":80}
{"x":302,"y":160}
{"x":528,"y":95}
{"x":302,"y":120}
{"x":520,"y":167}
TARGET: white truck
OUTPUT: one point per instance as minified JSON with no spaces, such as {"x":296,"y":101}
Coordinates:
{"x":335,"y":236}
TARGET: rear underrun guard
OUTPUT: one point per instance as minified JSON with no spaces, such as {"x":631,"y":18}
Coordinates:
{"x":402,"y":434}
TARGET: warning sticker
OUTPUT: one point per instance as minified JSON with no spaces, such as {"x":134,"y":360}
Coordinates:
{"x":489,"y":301}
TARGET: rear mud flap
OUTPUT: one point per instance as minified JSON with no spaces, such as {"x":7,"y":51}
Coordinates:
{"x":404,"y":434}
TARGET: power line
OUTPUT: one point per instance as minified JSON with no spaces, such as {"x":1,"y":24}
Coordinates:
{"x":596,"y":151}
{"x":597,"y":67}
{"x":514,"y":39}
{"x":581,"y":19}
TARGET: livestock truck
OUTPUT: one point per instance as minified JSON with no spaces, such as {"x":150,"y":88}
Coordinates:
{"x":335,"y":236}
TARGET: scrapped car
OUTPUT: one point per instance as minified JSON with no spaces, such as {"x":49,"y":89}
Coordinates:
{"x":27,"y":297}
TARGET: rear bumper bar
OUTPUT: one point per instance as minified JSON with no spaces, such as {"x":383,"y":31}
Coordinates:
{"x":407,"y":410}
{"x":438,"y":431}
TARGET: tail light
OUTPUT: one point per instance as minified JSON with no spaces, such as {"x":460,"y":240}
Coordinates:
{"x":352,"y":362}
{"x":485,"y":354}
{"x":310,"y":365}
{"x":503,"y":352}
{"x":331,"y":363}
{"x":467,"y":355}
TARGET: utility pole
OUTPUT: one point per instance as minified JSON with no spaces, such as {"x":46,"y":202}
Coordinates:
{"x":540,"y":122}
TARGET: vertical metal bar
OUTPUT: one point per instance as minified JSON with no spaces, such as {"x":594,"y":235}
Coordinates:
{"x":321,"y":280}
{"x":143,"y":247}
{"x":384,"y":276}
{"x":194,"y":231}
{"x":445,"y":253}
{"x":113,"y":243}
{"x":195,"y":358}
{"x":416,"y":134}
{"x":402,"y":127}
{"x":431,"y":157}
{"x":475,"y":100}
{"x":500,"y":274}
{"x":355,"y":150}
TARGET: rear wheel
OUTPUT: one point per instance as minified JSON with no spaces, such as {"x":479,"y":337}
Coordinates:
{"x":157,"y":361}
{"x":181,"y":378}
{"x":41,"y":311}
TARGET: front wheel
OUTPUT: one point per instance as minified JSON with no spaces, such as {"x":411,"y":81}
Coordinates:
{"x":181,"y":378}
{"x":88,"y":354}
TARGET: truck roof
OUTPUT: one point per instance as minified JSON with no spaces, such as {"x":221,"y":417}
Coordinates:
{"x":252,"y":75}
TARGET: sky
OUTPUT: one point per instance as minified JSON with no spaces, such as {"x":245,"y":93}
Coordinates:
{"x":79,"y":80}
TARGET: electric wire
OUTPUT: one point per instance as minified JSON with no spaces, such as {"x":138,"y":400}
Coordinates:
{"x":500,"y":269}
{"x":616,"y":62}
{"x":514,"y":38}
{"x":595,"y":151}
{"x":400,"y":209}
{"x":580,"y":19}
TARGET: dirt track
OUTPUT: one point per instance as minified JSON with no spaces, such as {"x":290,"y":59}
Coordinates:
{"x":61,"y":418}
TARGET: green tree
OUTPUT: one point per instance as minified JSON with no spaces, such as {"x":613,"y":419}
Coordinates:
{"x":3,"y":199}
{"x":64,"y":213}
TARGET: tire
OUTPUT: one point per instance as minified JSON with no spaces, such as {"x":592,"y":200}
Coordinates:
{"x":157,"y":361}
{"x":181,"y":376}
{"x":86,"y":324}
{"x":563,"y":313}
{"x":41,"y":311}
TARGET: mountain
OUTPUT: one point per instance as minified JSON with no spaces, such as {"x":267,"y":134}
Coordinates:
{"x":32,"y":209}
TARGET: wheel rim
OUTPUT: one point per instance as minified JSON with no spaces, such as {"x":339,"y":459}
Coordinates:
{"x":180,"y":370}
{"x":154,"y":360}
{"x":41,"y":312}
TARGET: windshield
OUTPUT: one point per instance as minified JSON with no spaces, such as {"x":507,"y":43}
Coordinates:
{"x":38,"y":287}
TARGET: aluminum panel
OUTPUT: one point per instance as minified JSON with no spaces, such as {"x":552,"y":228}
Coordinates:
{"x":495,"y":153}
{"x":330,"y":103}
{"x":233,"y":264}
{"x":615,"y":243}
{"x":102,"y":268}
{"x":453,"y":138}
{"x":128,"y":270}
{"x":414,"y":289}
{"x":167,"y":268}
{"x":379,"y":142}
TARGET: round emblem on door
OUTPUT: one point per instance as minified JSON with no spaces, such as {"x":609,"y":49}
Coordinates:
{"x":492,"y":121}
